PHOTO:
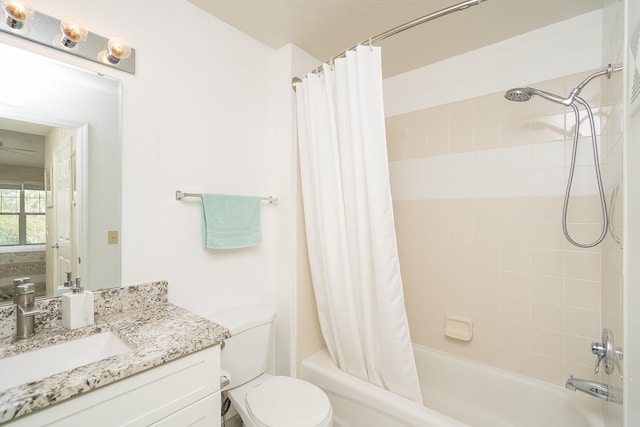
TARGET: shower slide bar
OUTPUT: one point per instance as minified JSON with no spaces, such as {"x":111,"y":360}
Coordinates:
{"x":180,"y":195}
{"x":400,"y":28}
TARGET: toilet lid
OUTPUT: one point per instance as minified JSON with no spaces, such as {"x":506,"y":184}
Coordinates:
{"x":288,"y":402}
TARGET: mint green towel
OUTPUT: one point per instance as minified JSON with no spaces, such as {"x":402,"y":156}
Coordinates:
{"x":230,"y":222}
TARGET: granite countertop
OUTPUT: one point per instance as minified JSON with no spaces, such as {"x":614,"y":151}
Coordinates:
{"x":158,"y":334}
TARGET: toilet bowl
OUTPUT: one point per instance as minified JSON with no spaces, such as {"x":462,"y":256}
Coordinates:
{"x":261,"y":399}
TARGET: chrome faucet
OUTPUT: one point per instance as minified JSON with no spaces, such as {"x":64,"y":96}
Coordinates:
{"x":592,"y":388}
{"x":18,"y":282}
{"x":25,"y":310}
{"x":607,"y":353}
{"x":595,"y":389}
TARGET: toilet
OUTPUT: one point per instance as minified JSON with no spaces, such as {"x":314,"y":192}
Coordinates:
{"x":261,"y":399}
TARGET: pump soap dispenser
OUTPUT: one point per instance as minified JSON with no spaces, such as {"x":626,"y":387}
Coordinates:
{"x":77,"y":307}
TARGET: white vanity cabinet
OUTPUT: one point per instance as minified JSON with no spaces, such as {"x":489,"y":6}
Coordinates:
{"x":183,"y":392}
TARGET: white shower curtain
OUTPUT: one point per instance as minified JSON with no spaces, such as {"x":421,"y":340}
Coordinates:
{"x":349,"y":219}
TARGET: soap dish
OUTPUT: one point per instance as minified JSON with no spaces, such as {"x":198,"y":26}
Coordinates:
{"x":458,"y":328}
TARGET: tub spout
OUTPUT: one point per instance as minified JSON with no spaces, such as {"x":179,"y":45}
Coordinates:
{"x":592,"y":388}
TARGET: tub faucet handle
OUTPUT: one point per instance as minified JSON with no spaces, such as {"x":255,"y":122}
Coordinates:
{"x":607,"y":352}
{"x":599,"y":350}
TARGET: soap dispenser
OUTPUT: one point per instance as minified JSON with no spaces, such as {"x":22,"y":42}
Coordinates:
{"x":77,"y":307}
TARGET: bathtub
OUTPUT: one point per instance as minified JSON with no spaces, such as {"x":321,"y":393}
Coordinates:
{"x":456,"y":392}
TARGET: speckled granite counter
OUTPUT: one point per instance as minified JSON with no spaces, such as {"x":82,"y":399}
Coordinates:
{"x":158,"y":332}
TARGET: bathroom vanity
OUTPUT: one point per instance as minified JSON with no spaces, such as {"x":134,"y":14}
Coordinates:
{"x":168,"y":373}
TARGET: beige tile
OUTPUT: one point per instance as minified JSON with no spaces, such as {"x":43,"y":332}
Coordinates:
{"x":417,"y":317}
{"x":515,"y":285}
{"x":548,"y":128}
{"x":547,"y":235}
{"x":548,"y":369}
{"x":547,"y":343}
{"x":486,"y":257}
{"x":585,"y":323}
{"x":487,"y":281}
{"x":487,"y":108}
{"x":489,"y":210}
{"x":461,"y":112}
{"x":486,"y":136}
{"x":396,"y":128}
{"x":515,"y":132}
{"x":546,"y":209}
{"x":406,"y":149}
{"x":516,"y":260}
{"x":487,"y":305}
{"x":548,"y":289}
{"x":547,"y":262}
{"x":582,"y":265}
{"x":584,"y":209}
{"x":583,"y":234}
{"x":583,"y":294}
{"x":516,"y":209}
{"x":461,"y":138}
{"x":438,"y":130}
{"x":515,"y":234}
{"x":516,"y":310}
{"x":578,"y":350}
{"x":417,"y":125}
{"x":486,"y":233}
{"x":547,"y":316}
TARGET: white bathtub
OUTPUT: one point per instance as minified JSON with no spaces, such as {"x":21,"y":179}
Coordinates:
{"x":456,"y":392}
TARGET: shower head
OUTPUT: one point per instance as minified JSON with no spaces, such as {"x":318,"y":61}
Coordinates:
{"x":519,"y":94}
{"x":522,"y":94}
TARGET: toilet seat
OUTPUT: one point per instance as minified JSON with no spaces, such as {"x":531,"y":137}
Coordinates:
{"x":288,"y":402}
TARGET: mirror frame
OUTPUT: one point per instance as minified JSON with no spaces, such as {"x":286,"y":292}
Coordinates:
{"x":42,"y":90}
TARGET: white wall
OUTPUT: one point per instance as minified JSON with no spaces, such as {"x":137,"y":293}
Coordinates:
{"x":198,"y":116}
{"x":573,"y":46}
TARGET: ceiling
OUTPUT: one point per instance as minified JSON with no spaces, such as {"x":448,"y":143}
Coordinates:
{"x":22,"y":143}
{"x":326,"y":28}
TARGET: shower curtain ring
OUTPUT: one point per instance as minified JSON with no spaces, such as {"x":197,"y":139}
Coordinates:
{"x":370,"y":45}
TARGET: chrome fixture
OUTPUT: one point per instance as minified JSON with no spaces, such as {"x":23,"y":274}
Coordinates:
{"x":595,"y":389}
{"x":67,"y":35}
{"x":525,"y":94}
{"x":16,"y":283}
{"x":72,"y":32}
{"x":400,"y":28}
{"x":25,"y":310}
{"x":117,"y":50}
{"x":17,"y":13}
{"x":69,"y":282}
{"x":607,"y":352}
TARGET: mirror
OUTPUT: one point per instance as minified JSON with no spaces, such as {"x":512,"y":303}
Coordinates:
{"x":60,"y":160}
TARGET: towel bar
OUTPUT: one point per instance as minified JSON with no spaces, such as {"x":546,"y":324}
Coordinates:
{"x":180,"y":195}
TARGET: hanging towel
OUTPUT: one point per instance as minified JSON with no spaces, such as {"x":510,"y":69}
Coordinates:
{"x":230,"y":222}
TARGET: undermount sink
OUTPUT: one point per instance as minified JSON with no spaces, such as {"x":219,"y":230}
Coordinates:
{"x":39,"y":364}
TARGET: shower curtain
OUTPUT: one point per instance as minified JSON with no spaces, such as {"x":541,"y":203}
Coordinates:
{"x":349,"y":222}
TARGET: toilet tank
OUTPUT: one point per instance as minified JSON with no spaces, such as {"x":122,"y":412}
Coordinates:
{"x":246,"y":354}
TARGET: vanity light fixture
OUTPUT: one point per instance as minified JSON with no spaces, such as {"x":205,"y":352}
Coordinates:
{"x":68,"y":35}
{"x":117,"y":50}
{"x":17,"y":13}
{"x":72,"y":32}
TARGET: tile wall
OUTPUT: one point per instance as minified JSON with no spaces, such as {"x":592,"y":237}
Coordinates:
{"x":478,"y":190}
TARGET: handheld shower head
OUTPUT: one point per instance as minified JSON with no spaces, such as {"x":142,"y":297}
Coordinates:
{"x":522,"y":94}
{"x":519,"y":94}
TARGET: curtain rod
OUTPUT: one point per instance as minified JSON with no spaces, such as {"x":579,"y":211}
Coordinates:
{"x":399,"y":29}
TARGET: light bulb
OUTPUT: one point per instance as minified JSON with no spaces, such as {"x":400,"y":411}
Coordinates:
{"x":17,"y":12}
{"x":118,"y":49}
{"x":73,"y":32}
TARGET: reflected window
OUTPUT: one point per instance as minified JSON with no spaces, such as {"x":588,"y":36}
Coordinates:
{"x":22,"y":214}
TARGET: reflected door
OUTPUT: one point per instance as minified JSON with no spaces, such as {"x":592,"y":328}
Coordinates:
{"x":63,"y":210}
